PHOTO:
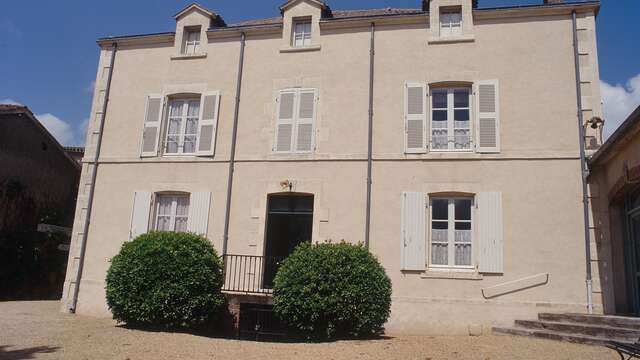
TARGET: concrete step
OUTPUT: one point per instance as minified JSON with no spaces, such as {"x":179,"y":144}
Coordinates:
{"x":606,"y":320}
{"x":557,"y":335}
{"x":604,"y":331}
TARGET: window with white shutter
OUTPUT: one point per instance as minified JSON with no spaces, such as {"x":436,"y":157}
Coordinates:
{"x":182,"y":126}
{"x":209,"y":107}
{"x":172,"y":212}
{"x":488,"y":119}
{"x":140,"y":214}
{"x":412,"y":238}
{"x":451,"y":119}
{"x":451,"y":232}
{"x":415,"y":117}
{"x":295,"y":125}
{"x":151,"y":128}
{"x":490,"y":233}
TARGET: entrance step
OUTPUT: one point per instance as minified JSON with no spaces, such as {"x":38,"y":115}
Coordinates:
{"x":577,"y":328}
{"x":557,"y":335}
{"x":607,"y":320}
{"x":609,"y":332}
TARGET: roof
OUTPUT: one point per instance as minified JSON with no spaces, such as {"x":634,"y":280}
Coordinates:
{"x":6,"y":109}
{"x":337,"y":14}
{"x":74,"y":149}
{"x":619,"y":137}
{"x":329,"y":15}
{"x":320,"y":3}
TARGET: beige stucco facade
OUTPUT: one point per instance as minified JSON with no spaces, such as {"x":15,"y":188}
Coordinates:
{"x":529,"y":51}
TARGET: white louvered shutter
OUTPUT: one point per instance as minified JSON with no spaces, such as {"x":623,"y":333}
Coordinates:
{"x":415,"y":117}
{"x":490,"y":241}
{"x":140,"y":214}
{"x":413,"y":231}
{"x":305,"y":120}
{"x":151,"y":129}
{"x":209,"y":105}
{"x":198,"y":220}
{"x":284,"y":123}
{"x":488,"y":119}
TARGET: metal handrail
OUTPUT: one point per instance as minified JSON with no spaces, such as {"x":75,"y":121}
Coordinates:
{"x":250,"y":274}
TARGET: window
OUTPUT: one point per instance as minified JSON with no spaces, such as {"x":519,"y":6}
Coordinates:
{"x":191,"y":42}
{"x":450,"y":119}
{"x":172,"y":212}
{"x":301,"y":33}
{"x":451,"y":232}
{"x":182,"y":129}
{"x":450,"y":22}
{"x":295,"y":123}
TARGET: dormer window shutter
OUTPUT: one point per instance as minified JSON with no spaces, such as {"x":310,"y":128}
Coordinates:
{"x":305,"y":120}
{"x":488,"y":118}
{"x":284,"y":122}
{"x":209,"y":108}
{"x":415,"y":117}
{"x":151,"y":129}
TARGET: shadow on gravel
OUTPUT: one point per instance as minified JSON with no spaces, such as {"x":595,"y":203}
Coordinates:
{"x":26,"y":353}
{"x":216,"y":333}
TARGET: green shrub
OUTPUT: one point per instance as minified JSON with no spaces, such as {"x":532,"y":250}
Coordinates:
{"x":165,"y":279}
{"x":329,"y":290}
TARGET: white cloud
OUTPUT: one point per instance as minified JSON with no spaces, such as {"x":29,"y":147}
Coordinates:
{"x":619,"y":101}
{"x":90,"y":87}
{"x":60,"y":129}
{"x":10,"y":102}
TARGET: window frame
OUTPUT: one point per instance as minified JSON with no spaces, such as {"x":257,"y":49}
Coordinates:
{"x":446,"y":13}
{"x":184,"y":117}
{"x":451,"y":126}
{"x":451,"y":220}
{"x":173,"y":214}
{"x":195,"y":42}
{"x":306,"y":37}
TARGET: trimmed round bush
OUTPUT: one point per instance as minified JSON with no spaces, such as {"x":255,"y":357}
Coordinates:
{"x":165,"y":279}
{"x":326,"y":291}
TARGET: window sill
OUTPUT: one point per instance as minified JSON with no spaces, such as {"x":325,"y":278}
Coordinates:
{"x":190,"y":56}
{"x":452,"y":39}
{"x":458,"y":274}
{"x":291,"y":49}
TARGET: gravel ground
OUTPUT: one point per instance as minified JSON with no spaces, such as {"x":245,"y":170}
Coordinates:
{"x":37,"y":330}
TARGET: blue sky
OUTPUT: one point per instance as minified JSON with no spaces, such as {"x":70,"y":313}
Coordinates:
{"x":48,"y":54}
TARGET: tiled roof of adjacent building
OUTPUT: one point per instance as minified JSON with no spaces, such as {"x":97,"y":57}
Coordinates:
{"x":623,"y":133}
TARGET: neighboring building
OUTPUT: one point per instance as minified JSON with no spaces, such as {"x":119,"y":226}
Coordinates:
{"x":476,"y":209}
{"x":76,"y":153}
{"x":38,"y":184}
{"x":615,"y":198}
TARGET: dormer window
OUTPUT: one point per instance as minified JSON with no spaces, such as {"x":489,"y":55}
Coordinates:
{"x":191,"y":41}
{"x":451,"y":22}
{"x":301,"y":32}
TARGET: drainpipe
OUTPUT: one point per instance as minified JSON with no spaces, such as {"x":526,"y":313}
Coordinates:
{"x":370,"y":137}
{"x":232,"y":157}
{"x":94,"y":172}
{"x":583,"y":169}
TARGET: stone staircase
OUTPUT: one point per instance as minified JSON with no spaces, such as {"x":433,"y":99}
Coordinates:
{"x":577,"y":328}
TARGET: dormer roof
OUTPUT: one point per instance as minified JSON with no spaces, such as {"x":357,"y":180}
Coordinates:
{"x":289,"y":3}
{"x":216,"y":20}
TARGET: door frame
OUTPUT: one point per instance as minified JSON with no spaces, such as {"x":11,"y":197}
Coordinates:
{"x":631,"y":245}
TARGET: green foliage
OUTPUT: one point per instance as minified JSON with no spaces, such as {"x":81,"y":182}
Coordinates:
{"x":329,"y":290}
{"x":165,"y":279}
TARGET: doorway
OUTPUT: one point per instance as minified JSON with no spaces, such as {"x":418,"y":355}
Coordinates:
{"x":289,"y":223}
{"x":632,"y":220}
